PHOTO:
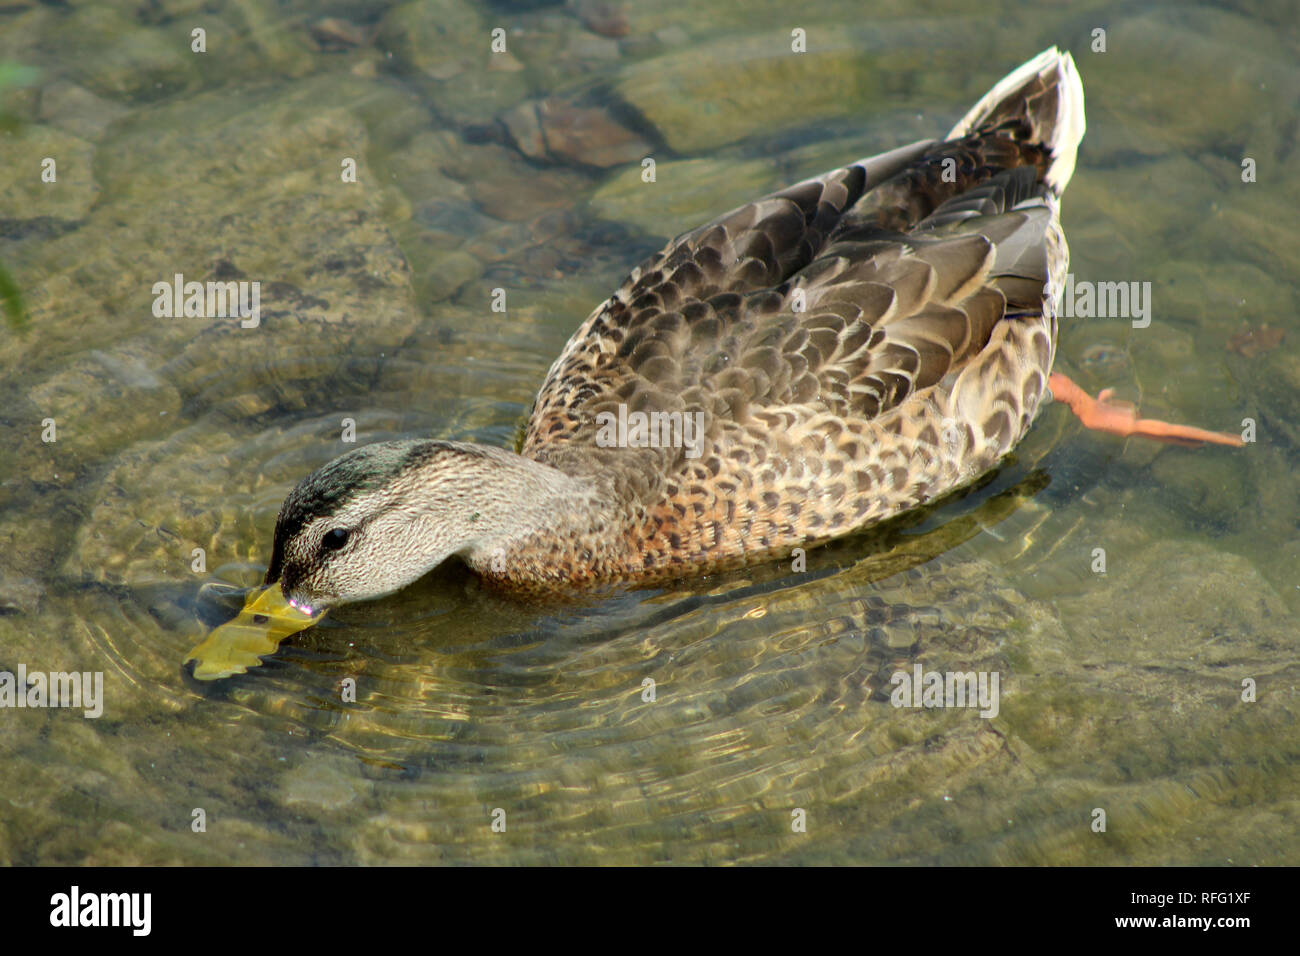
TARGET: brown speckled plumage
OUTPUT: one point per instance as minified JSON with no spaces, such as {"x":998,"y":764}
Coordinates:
{"x":855,"y":345}
{"x":918,"y":361}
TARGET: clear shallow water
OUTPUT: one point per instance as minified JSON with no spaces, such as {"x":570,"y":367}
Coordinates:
{"x":1119,"y":691}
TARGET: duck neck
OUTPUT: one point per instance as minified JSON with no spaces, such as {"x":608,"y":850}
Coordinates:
{"x":531,"y":516}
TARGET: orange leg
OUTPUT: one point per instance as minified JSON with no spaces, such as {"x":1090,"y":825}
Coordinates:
{"x":1120,"y":418}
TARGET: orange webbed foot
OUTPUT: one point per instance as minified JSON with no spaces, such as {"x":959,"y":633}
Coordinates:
{"x":1120,"y":418}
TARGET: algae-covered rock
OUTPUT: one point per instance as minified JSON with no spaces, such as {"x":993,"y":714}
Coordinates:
{"x":195,"y":488}
{"x":671,"y":204}
{"x":1210,"y":490}
{"x":1219,"y":299}
{"x":25,"y":192}
{"x":507,"y":187}
{"x":74,"y":109}
{"x":249,"y":35}
{"x":439,"y":37}
{"x":450,"y":273}
{"x":587,"y":47}
{"x":322,"y":783}
{"x":168,"y":183}
{"x":22,"y":32}
{"x":1176,"y":77}
{"x":1122,"y":222}
{"x":115,"y":56}
{"x":703,"y":97}
{"x":106,"y":400}
{"x":331,"y":277}
{"x":1183,"y":603}
{"x":445,"y":49}
{"x":417,"y":168}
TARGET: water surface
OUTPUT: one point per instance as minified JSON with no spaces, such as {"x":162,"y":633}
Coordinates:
{"x":1121,"y":690}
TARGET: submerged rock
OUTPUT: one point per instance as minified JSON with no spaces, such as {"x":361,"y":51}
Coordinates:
{"x":105,"y":400}
{"x":333,"y":283}
{"x":444,"y":47}
{"x":563,"y":131}
{"x":76,"y":110}
{"x":705,"y":96}
{"x":525,"y":128}
{"x":19,"y":595}
{"x":24,"y":193}
{"x":672,"y":203}
{"x":335,"y":33}
{"x":1197,"y":54}
{"x":507,"y":187}
{"x":117,"y":57}
{"x":585,"y":47}
{"x":605,"y":17}
{"x":322,"y":783}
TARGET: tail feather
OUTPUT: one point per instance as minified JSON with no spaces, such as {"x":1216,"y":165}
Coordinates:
{"x":1047,"y":94}
{"x":1032,"y":120}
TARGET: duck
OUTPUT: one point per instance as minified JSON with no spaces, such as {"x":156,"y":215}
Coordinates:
{"x":814,"y":362}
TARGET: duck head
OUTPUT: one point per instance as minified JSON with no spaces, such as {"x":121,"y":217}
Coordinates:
{"x":374,"y":520}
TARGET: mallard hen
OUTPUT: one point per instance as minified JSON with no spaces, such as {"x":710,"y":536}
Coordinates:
{"x":811,"y":363}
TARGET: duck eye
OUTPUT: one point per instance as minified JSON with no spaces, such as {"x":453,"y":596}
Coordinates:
{"x":335,"y":538}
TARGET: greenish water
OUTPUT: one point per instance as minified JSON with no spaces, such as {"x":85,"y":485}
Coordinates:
{"x":1120,"y":691}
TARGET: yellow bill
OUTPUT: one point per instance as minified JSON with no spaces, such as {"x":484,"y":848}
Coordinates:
{"x":234,"y":647}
